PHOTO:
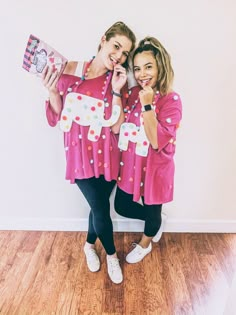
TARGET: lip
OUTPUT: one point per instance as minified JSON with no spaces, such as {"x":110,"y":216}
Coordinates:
{"x":114,"y":61}
{"x":145,"y":82}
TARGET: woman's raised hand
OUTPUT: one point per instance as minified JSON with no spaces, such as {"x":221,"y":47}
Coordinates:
{"x":119,"y":78}
{"x":50,"y":78}
{"x":146,"y":95}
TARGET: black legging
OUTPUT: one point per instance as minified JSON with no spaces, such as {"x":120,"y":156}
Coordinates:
{"x":97,"y":193}
{"x":151,"y":214}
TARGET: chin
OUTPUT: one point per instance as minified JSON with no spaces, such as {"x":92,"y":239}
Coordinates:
{"x":109,"y":67}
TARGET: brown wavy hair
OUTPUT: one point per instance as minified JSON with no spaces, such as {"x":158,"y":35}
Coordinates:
{"x":163,"y":60}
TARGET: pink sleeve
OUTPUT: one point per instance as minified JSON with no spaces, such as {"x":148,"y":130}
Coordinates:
{"x":125,"y":95}
{"x":52,"y":117}
{"x":169,"y":116}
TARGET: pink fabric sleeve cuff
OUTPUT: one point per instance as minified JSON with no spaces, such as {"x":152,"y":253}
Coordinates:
{"x":164,"y":136}
{"x":52,"y":117}
{"x":168,"y":121}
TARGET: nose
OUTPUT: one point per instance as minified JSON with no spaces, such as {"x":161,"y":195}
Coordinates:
{"x":142,"y":72}
{"x":118,"y":55}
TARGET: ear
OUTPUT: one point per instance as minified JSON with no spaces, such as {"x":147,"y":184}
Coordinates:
{"x":103,"y":39}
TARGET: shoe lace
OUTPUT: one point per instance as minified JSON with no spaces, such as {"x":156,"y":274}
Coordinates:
{"x":114,"y":264}
{"x":138,"y":248}
{"x":91,"y":254}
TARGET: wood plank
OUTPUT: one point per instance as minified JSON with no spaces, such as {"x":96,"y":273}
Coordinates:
{"x":55,"y":275}
{"x":113,"y":294}
{"x":222,"y":249}
{"x":46,"y":273}
{"x":17,"y":256}
{"x":88,"y":290}
{"x":173,"y":275}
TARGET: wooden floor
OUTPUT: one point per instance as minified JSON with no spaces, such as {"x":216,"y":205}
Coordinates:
{"x":46,"y":273}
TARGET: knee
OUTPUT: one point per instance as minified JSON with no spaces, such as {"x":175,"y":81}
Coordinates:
{"x":119,"y":207}
{"x":102,"y":224}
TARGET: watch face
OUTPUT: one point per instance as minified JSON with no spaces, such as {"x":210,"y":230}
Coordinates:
{"x":147,"y":107}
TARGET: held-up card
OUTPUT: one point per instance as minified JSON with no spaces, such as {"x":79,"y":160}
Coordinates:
{"x":39,"y":54}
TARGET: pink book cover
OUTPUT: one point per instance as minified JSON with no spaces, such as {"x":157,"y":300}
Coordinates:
{"x":39,"y":54}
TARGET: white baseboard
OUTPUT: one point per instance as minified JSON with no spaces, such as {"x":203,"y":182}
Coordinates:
{"x":120,"y":225}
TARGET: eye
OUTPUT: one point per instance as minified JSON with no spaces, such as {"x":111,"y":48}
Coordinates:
{"x":126,"y":54}
{"x":116,"y":46}
{"x":149,"y":67}
{"x":136,"y":69}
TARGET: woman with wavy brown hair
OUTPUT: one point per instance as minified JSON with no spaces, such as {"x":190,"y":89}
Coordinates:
{"x":148,"y":140}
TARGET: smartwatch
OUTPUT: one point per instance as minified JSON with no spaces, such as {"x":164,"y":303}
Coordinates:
{"x":147,"y":107}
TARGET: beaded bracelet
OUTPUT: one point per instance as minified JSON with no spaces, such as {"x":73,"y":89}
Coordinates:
{"x":116,"y":94}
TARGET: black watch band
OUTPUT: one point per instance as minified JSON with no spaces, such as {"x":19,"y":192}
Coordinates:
{"x":116,"y":94}
{"x":147,"y":107}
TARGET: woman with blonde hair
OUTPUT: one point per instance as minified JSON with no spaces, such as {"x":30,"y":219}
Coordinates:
{"x":87,"y":100}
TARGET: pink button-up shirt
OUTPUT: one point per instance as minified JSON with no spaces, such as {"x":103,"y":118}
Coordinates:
{"x":85,"y":158}
{"x":151,"y":176}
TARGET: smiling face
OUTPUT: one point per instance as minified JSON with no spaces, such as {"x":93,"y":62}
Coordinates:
{"x":145,"y":69}
{"x":115,"y":50}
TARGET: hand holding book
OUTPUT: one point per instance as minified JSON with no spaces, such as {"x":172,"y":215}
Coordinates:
{"x":38,"y":54}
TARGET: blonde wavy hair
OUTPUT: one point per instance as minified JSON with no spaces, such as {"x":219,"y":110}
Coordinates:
{"x":163,"y":59}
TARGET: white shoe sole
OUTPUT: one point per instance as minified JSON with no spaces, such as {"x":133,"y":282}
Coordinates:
{"x":93,"y":268}
{"x":130,"y":257}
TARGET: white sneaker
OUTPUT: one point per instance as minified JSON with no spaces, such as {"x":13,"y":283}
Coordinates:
{"x":157,"y":237}
{"x":92,"y":259}
{"x":114,"y":270}
{"x":138,"y":253}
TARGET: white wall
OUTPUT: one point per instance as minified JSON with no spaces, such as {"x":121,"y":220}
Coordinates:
{"x":200,"y":36}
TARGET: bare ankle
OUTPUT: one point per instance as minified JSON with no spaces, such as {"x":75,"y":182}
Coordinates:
{"x":89,"y":245}
{"x":145,"y":242}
